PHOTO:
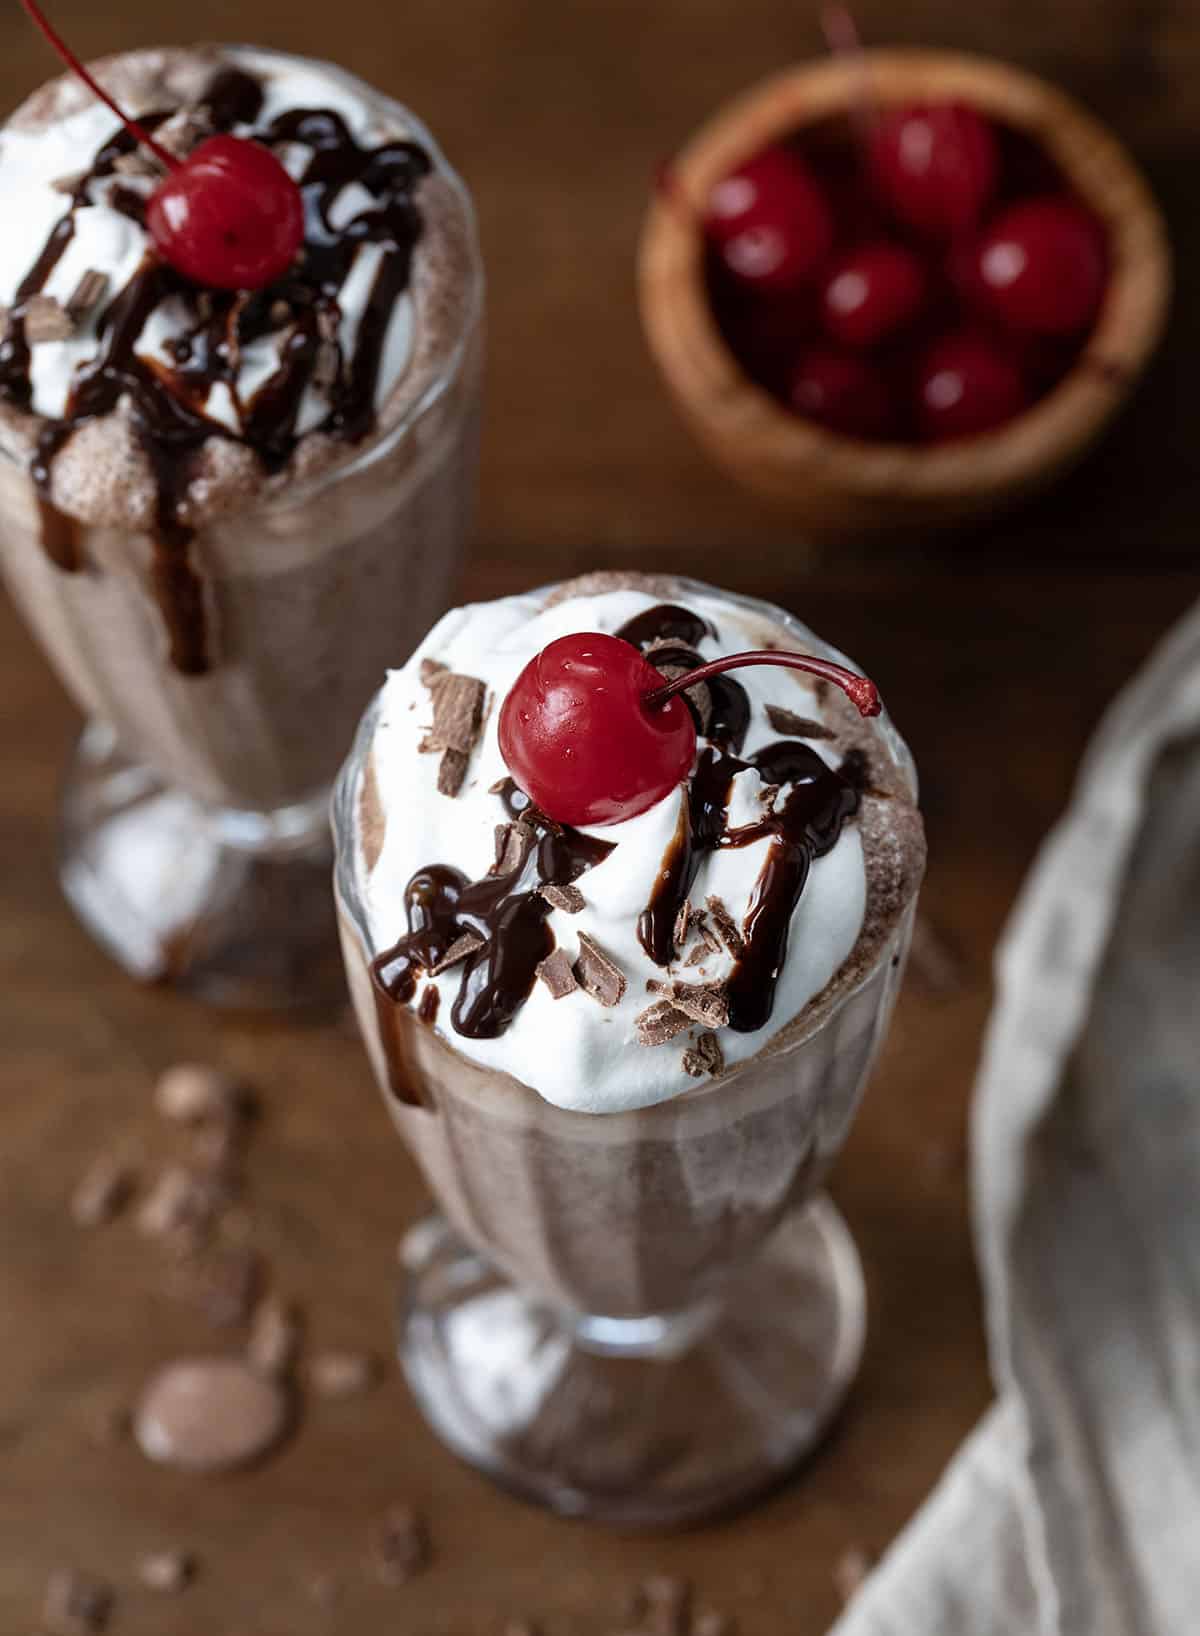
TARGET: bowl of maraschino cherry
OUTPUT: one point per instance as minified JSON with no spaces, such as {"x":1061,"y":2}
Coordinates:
{"x":896,"y":289}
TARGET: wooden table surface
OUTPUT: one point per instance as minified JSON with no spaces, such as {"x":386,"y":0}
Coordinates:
{"x":997,"y":651}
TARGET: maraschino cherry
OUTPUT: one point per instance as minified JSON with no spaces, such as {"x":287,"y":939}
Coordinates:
{"x":965,"y":386}
{"x":593,"y":734}
{"x":843,"y":392}
{"x":935,"y":166}
{"x":1040,"y":266}
{"x":228,"y":215}
{"x":871,"y":292}
{"x":770,"y":223}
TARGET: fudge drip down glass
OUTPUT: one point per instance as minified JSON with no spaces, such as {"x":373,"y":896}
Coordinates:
{"x":223,"y":511}
{"x":624,"y":1052}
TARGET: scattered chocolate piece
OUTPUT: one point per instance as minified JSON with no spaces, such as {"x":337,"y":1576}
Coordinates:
{"x":682,"y":921}
{"x":567,"y":898}
{"x":400,"y":1545}
{"x":706,"y":1057}
{"x":726,"y":928}
{"x":88,"y":293}
{"x":794,"y":726}
{"x":179,"y":1202}
{"x":69,"y":183}
{"x":461,"y":949}
{"x":167,"y":1571}
{"x":660,"y":1023}
{"x":705,"y":1003}
{"x":708,"y":1622}
{"x":210,"y":1414}
{"x":429,"y":670}
{"x":329,"y":323}
{"x":555,"y":971}
{"x":597,"y":974}
{"x":327,"y":366}
{"x":668,"y":1605}
{"x":136,"y":163}
{"x":501,"y":784}
{"x":342,"y":1374}
{"x":183,"y":131}
{"x":102,"y":1192}
{"x":850,"y":1570}
{"x":46,"y":319}
{"x":698,"y":955}
{"x":76,"y":1603}
{"x":276,"y":1335}
{"x":193,"y":1093}
{"x":228,"y":1285}
{"x":457,"y":712}
{"x":452,"y":770}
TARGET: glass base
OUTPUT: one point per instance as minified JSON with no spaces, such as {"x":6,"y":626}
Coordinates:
{"x":234,"y":907}
{"x":654,"y":1421}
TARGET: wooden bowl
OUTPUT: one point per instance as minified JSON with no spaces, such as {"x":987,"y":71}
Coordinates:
{"x":839,"y":487}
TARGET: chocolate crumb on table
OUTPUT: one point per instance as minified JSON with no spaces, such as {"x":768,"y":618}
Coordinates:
{"x":103,"y":1191}
{"x":452,"y":771}
{"x":276,"y":1336}
{"x":342,"y":1374}
{"x":76,"y":1604}
{"x":400,"y":1545}
{"x":168,"y":1571}
{"x":597,"y":974}
{"x":194,"y":1093}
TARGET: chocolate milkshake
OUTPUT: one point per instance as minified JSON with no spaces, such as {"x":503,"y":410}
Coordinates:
{"x":624,"y":1054}
{"x":223,"y":511}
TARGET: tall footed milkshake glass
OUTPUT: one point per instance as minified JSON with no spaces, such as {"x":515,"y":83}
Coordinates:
{"x":224,"y":511}
{"x":625,"y":1053}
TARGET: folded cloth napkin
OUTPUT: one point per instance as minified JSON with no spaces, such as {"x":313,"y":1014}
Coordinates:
{"x":1073,"y":1509}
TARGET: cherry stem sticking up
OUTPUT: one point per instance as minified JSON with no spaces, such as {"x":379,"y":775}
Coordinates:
{"x":844,"y":41}
{"x":73,"y":63}
{"x":860,"y":690}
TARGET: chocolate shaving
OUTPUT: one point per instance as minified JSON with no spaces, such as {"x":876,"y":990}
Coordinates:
{"x":705,"y":1003}
{"x":726,"y":927}
{"x":567,"y":898}
{"x":137,"y":163}
{"x":698,"y":955}
{"x":102,"y":1192}
{"x":452,"y":770}
{"x":555,"y":971}
{"x":699,"y":695}
{"x":513,"y":843}
{"x":275,"y":1339}
{"x":501,"y":784}
{"x":327,"y":366}
{"x":682,"y":921}
{"x":88,"y":293}
{"x":167,"y":1571}
{"x":794,"y":726}
{"x":461,"y":949}
{"x":705,"y":1057}
{"x":457,"y":712}
{"x":69,"y":183}
{"x":597,"y":974}
{"x":342,"y":1374}
{"x":660,"y":1023}
{"x":46,"y":319}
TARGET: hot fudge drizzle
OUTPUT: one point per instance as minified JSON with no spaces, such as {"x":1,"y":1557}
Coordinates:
{"x":167,"y":402}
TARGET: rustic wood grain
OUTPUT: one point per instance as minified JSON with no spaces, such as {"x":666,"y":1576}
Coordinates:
{"x":996,"y":651}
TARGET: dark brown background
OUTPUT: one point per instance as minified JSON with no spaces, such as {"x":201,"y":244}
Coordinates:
{"x":997,"y":651}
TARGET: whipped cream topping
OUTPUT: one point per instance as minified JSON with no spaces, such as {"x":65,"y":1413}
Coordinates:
{"x":575,"y":1052}
{"x":108,"y":240}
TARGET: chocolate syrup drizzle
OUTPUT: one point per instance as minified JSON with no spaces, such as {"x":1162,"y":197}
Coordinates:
{"x":505,"y":909}
{"x":167,"y":404}
{"x":507,"y":912}
{"x":806,"y":826}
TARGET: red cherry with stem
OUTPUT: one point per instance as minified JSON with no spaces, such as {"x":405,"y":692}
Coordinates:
{"x":1041,"y":266}
{"x":228,"y":215}
{"x":843,"y":392}
{"x":770,"y":222}
{"x":593,"y":735}
{"x":967,"y":385}
{"x":934,"y":166}
{"x":872,"y":292}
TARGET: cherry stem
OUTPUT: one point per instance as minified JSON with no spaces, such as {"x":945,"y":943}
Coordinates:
{"x":76,"y":67}
{"x":843,"y":39}
{"x":861,"y":692}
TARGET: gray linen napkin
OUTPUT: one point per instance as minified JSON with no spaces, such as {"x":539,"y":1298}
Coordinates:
{"x":1073,"y":1509}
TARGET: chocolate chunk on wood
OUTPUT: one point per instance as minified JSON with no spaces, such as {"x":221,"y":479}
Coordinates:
{"x":76,"y":1603}
{"x":597,"y":974}
{"x":705,"y":1057}
{"x":178,"y":1201}
{"x":660,"y":1023}
{"x":461,"y":949}
{"x":555,"y":971}
{"x":452,"y":770}
{"x":168,"y":1572}
{"x":726,"y":927}
{"x":342,"y":1374}
{"x":46,"y":320}
{"x":400,"y":1545}
{"x":102,"y":1191}
{"x":787,"y":721}
{"x":276,"y":1335}
{"x":668,"y":1605}
{"x":567,"y":898}
{"x":194,"y":1092}
{"x":210,"y":1414}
